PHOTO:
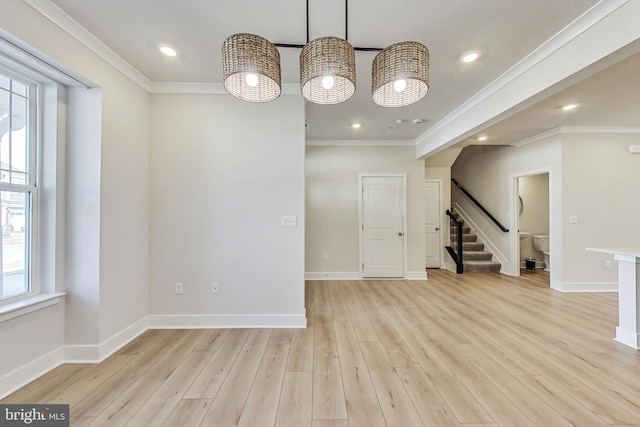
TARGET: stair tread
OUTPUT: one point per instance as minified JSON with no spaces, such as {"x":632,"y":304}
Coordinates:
{"x":482,"y":262}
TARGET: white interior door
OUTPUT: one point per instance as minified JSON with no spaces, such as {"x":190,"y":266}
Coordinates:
{"x":383,"y":226}
{"x":432,"y":224}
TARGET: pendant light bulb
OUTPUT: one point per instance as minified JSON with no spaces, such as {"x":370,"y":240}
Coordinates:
{"x":251,"y":79}
{"x":327,"y":82}
{"x":399,"y":85}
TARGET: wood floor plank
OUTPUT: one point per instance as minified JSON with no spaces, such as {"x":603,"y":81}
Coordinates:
{"x":339,"y":310}
{"x":431,"y":407}
{"x":97,"y":398}
{"x":296,"y":401}
{"x":328,"y":393}
{"x":209,"y":381}
{"x":330,"y":423}
{"x":148,"y":339}
{"x":213,"y":340}
{"x":463,"y":404}
{"x":80,"y":421}
{"x":397,"y":407}
{"x":503,"y":410}
{"x":301,"y":351}
{"x":361,"y":322}
{"x":321,"y":293}
{"x":43,"y":389}
{"x":125,"y":406}
{"x":535,"y":408}
{"x":567,"y":406}
{"x":188,"y":412}
{"x":281,"y":336}
{"x":607,"y":399}
{"x":262,"y":403}
{"x":91,"y":380}
{"x":159,"y":406}
{"x":362,"y":402}
{"x":226,"y":409}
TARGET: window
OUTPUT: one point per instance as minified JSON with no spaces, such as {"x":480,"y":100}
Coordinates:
{"x":18,"y":185}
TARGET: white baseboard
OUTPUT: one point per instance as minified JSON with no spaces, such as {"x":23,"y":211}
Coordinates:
{"x":29,"y":372}
{"x":587,"y":287}
{"x":98,"y":353}
{"x":213,"y":321}
{"x":416,"y":275}
{"x":325,"y":275}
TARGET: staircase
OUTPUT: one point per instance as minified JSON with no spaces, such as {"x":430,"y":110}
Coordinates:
{"x":475,"y":258}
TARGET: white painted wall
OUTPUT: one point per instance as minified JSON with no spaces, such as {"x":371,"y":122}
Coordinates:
{"x":590,"y":175}
{"x":332,"y":205}
{"x":600,"y":187}
{"x":223,"y":173}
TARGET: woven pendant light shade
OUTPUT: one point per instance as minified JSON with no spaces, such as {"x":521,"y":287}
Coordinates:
{"x":251,"y":68}
{"x":400,"y":74}
{"x":324,"y":57}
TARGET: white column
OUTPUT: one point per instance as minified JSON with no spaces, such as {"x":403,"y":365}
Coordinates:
{"x":628,"y":330}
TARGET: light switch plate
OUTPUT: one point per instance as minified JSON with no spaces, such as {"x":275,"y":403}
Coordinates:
{"x":573,"y":219}
{"x":289,"y":221}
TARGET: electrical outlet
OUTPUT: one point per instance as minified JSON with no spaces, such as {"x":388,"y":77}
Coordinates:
{"x":325,"y":256}
{"x":215,"y":288}
{"x":607,"y":264}
{"x":179,"y":288}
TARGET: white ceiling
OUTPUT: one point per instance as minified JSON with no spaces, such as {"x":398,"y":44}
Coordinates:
{"x":505,"y":31}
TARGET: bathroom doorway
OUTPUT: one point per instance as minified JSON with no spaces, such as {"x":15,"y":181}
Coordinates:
{"x":532,"y":220}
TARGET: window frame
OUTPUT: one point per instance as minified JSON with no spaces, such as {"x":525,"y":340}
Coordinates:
{"x":31,"y":188}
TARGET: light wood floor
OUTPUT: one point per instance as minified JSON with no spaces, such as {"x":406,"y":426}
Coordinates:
{"x":471,"y":350}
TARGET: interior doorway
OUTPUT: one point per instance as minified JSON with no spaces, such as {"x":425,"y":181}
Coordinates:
{"x":432,"y":228}
{"x":383,"y":226}
{"x":532,"y":220}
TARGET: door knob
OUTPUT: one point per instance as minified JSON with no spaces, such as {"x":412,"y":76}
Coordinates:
{"x":437,"y":229}
{"x":401,"y":234}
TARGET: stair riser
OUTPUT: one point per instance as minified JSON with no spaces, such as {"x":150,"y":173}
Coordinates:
{"x":472,"y":246}
{"x":491,"y":268}
{"x":480,"y":256}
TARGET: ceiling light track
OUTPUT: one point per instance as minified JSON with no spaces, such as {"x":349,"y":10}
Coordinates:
{"x":251,"y":69}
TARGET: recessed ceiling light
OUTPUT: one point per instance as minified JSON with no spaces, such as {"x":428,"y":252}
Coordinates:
{"x":569,"y":107}
{"x":482,"y":138}
{"x":169,"y":51}
{"x":356,"y":125}
{"x":470,"y":56}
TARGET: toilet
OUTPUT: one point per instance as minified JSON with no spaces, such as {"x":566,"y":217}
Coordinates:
{"x":541,"y":243}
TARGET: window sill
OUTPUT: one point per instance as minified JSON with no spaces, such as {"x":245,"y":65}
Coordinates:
{"x":29,"y":305}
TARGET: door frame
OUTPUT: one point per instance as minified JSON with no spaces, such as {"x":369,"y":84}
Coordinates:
{"x":514,"y":185}
{"x":361,"y":177}
{"x":441,"y":216}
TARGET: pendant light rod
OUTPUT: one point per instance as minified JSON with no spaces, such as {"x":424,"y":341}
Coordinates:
{"x":300,"y":46}
{"x":346,"y":33}
{"x":346,"y":20}
{"x":307,"y":21}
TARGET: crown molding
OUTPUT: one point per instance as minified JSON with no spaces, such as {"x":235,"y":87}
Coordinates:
{"x":362,"y":142}
{"x":562,"y":130}
{"x":561,"y":39}
{"x":82,"y":35}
